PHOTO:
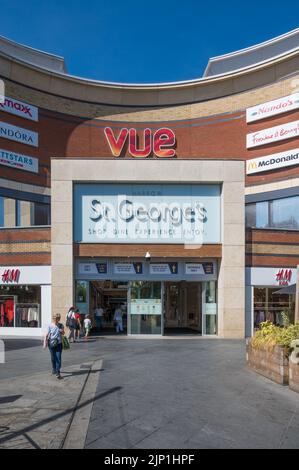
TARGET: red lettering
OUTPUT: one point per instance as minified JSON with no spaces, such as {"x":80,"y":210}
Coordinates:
{"x":161,"y":143}
{"x":283,"y":276}
{"x":146,"y":150}
{"x":164,"y":139}
{"x":11,"y":275}
{"x":116,"y":145}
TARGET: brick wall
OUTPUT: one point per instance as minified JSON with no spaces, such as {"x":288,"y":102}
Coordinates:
{"x":22,"y":247}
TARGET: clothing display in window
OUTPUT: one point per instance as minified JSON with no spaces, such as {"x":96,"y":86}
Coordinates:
{"x":2,"y":315}
{"x":9,"y":309}
{"x":259,"y":317}
{"x":27,"y":316}
{"x":7,"y":312}
{"x":270,"y":317}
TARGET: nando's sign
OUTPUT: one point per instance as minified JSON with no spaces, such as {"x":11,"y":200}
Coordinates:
{"x":160,"y":142}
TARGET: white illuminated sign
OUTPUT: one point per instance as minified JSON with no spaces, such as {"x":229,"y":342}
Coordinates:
{"x":272,"y":108}
{"x":18,"y":134}
{"x":18,"y":161}
{"x":150,"y":213}
{"x":19,"y":108}
{"x":273,"y":134}
{"x":272,"y":162}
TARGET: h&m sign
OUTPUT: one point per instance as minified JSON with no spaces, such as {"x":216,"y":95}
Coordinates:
{"x":11,"y":275}
{"x":284,"y":276}
{"x":160,"y":143}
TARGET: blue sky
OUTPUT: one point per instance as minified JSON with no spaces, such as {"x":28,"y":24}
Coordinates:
{"x":140,"y":41}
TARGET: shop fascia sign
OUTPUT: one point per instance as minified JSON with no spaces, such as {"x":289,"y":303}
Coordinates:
{"x":273,"y":134}
{"x":128,"y":210}
{"x":18,"y":134}
{"x":272,"y":162}
{"x":160,"y":143}
{"x":19,"y":108}
{"x":11,"y":276}
{"x":18,"y":161}
{"x":284,"y":276}
{"x":272,"y":108}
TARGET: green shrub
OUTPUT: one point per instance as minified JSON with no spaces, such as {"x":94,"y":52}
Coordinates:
{"x":269,"y":336}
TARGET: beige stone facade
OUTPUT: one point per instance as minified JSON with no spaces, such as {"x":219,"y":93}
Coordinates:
{"x":231,"y":290}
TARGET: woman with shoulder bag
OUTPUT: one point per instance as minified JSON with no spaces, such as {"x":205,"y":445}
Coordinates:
{"x":71,"y":323}
{"x":53,"y":341}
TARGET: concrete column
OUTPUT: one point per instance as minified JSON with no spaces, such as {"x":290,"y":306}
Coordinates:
{"x":231,"y":280}
{"x":62,"y":246}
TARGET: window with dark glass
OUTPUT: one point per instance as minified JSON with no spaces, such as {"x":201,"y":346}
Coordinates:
{"x":40,"y":214}
{"x":278,"y":213}
{"x":1,"y":211}
{"x":18,"y":213}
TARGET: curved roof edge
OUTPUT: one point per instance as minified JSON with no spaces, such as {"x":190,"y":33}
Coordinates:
{"x":253,"y":55}
{"x":32,"y":56}
{"x":46,"y":73}
{"x":218,"y":67}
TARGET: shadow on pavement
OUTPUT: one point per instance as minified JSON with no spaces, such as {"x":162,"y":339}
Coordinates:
{"x":73,"y":374}
{"x":23,"y":432}
{"x":16,"y":344}
{"x":9,"y":399}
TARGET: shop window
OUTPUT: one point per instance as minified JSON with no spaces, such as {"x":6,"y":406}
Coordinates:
{"x":250,"y":215}
{"x":1,"y":211}
{"x":40,"y":214}
{"x":81,"y":291}
{"x":210,"y":307}
{"x":269,"y":306}
{"x":262,"y":214}
{"x":24,"y":213}
{"x":9,"y":213}
{"x":146,"y":307}
{"x":285,"y":213}
{"x":279,"y":213}
{"x":17,"y":213}
{"x":20,"y":306}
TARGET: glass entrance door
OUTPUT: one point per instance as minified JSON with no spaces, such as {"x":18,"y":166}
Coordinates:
{"x":145,"y":308}
{"x":182,"y":306}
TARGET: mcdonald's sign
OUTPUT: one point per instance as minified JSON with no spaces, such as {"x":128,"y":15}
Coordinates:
{"x":251,"y":166}
{"x":273,"y":162}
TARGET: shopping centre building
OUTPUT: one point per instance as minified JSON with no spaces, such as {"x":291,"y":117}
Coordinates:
{"x":177,"y":203}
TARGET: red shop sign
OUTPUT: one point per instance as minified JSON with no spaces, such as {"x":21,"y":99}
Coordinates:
{"x":160,"y":143}
{"x":283,"y":276}
{"x":11,"y":275}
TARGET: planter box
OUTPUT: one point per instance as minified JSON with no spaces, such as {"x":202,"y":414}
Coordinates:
{"x":294,"y":377}
{"x":271,"y":364}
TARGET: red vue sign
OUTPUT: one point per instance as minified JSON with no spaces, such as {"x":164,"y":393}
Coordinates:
{"x":160,"y":142}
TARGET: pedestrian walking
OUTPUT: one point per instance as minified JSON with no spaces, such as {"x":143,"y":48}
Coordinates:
{"x":78,"y":324}
{"x":118,"y":319}
{"x":71,"y":324}
{"x":87,"y":326}
{"x":99,"y":315}
{"x":53,"y":340}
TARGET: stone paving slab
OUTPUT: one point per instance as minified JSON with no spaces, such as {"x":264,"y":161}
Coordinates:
{"x":40,"y":417}
{"x":153,"y":394}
